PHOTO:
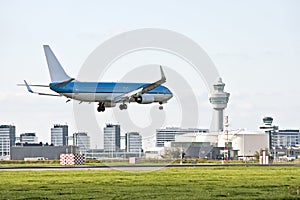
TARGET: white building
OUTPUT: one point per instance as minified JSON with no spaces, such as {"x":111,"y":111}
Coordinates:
{"x":7,"y":140}
{"x":133,"y":142}
{"x":154,"y":153}
{"x":246,"y":142}
{"x":28,"y":138}
{"x":59,"y":135}
{"x":112,"y":138}
{"x":82,"y":140}
{"x":168,"y":134}
{"x":198,"y":137}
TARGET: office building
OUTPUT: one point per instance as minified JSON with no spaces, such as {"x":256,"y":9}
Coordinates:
{"x":7,"y":140}
{"x":112,"y":138}
{"x":28,"y":138}
{"x":218,"y":99}
{"x":133,"y":142}
{"x":285,"y":138}
{"x":280,"y":137}
{"x":82,"y":140}
{"x":169,"y":134}
{"x":59,"y":135}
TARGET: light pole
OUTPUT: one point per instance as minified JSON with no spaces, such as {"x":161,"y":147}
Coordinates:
{"x":244,"y":147}
{"x":2,"y":146}
{"x":181,"y":154}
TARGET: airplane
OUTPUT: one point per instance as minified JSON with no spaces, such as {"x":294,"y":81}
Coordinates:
{"x":106,"y":94}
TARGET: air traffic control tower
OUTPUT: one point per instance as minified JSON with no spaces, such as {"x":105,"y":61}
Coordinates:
{"x":218,"y":99}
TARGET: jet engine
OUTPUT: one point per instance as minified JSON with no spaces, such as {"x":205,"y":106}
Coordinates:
{"x":144,"y":99}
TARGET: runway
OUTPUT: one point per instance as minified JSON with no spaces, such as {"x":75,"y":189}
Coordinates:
{"x":134,"y":167}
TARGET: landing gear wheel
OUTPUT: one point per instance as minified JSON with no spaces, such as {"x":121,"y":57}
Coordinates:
{"x":123,"y":107}
{"x":101,"y":107}
{"x":160,"y":107}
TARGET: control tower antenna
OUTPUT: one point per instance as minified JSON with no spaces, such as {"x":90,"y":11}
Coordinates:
{"x":226,"y":153}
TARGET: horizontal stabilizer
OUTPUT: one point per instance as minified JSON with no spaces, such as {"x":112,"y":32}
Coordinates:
{"x":31,"y":85}
{"x":39,"y":93}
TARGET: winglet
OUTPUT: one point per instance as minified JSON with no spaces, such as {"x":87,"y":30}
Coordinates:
{"x":142,"y":90}
{"x":163,"y":77}
{"x":28,"y":87}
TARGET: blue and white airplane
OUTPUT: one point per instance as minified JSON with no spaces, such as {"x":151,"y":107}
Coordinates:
{"x":107,"y":94}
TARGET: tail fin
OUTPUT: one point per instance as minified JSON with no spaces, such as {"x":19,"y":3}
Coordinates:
{"x":57,"y":73}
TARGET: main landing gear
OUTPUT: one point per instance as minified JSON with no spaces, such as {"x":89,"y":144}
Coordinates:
{"x":123,"y":106}
{"x":101,"y":107}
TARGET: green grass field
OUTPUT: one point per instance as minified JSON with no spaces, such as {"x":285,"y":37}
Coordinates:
{"x":176,"y":183}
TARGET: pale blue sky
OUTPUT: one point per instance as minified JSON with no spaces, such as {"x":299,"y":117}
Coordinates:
{"x":255,"y":46}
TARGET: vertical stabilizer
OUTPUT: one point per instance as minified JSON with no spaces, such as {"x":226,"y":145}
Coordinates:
{"x":57,"y":73}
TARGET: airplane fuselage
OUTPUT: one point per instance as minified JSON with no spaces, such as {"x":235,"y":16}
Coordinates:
{"x":106,"y":91}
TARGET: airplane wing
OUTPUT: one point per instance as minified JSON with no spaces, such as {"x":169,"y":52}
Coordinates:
{"x":135,"y":93}
{"x":39,"y":93}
